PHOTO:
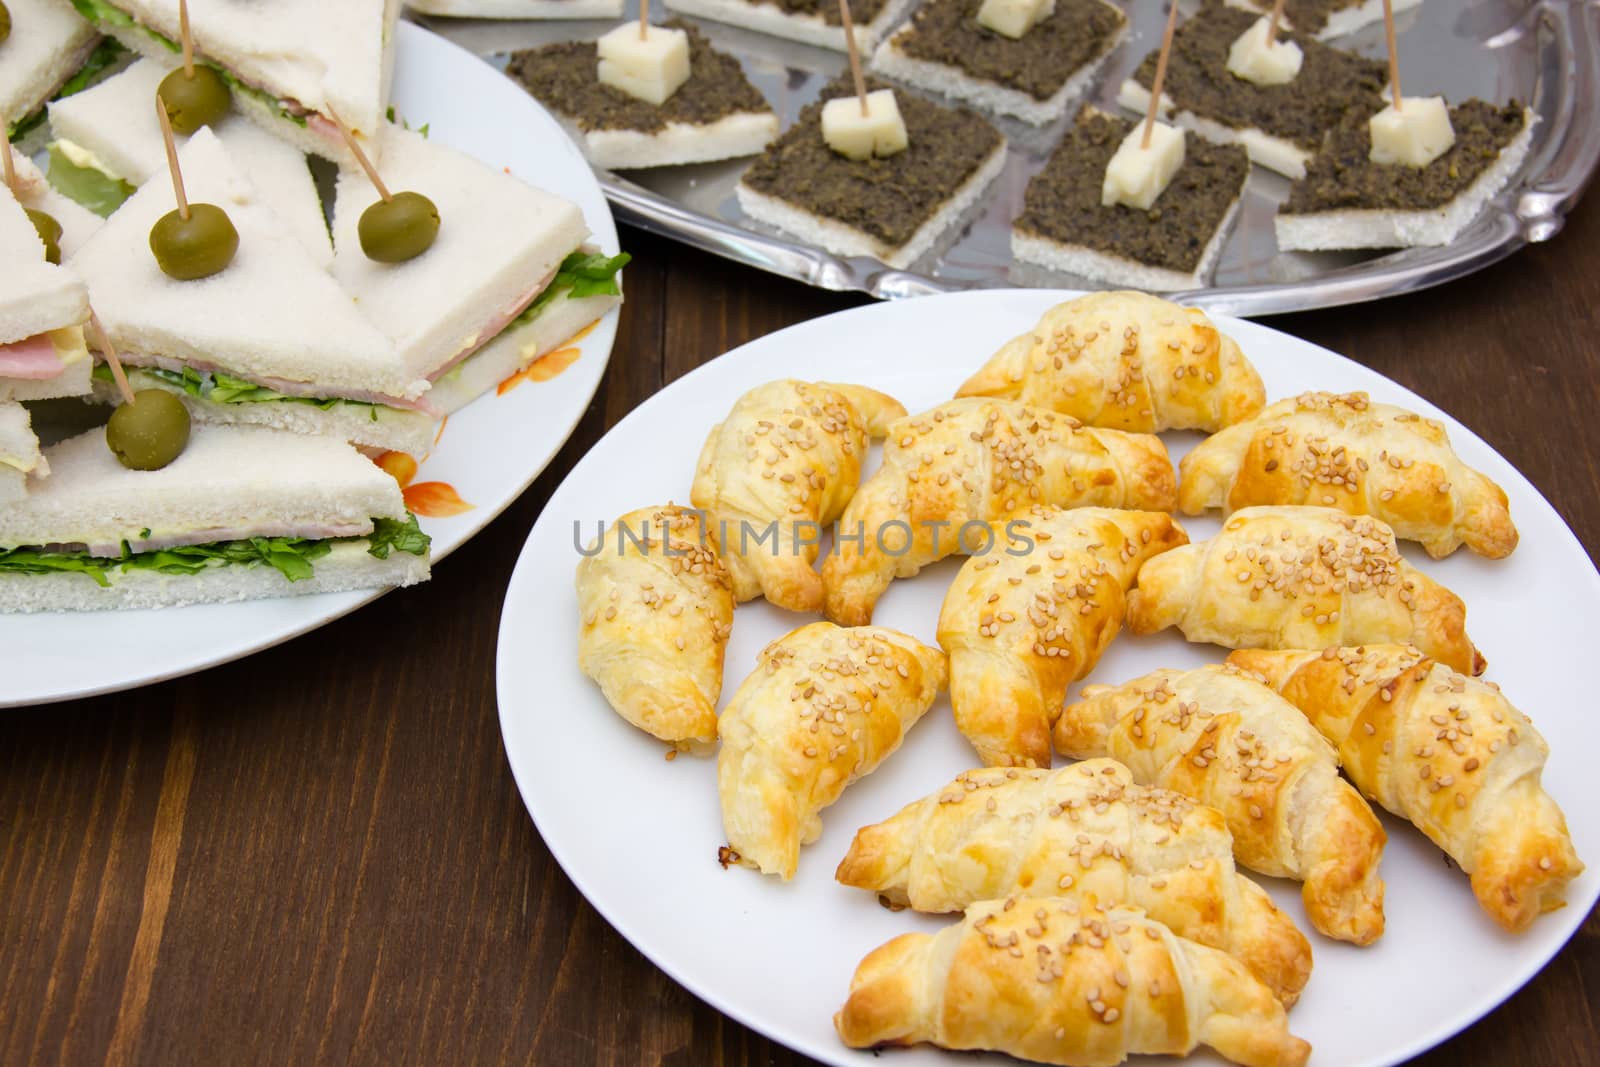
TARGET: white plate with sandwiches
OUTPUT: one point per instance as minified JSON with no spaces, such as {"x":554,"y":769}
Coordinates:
{"x":484,"y":456}
{"x":638,"y":826}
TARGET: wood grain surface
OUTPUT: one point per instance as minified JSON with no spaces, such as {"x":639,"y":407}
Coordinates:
{"x":318,"y":854}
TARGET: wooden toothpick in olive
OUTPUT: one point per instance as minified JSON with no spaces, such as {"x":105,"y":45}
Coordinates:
{"x":400,"y":226}
{"x":150,"y":432}
{"x":149,"y":429}
{"x":193,"y":96}
{"x":49,"y":231}
{"x":197,"y":240}
{"x":5,"y":22}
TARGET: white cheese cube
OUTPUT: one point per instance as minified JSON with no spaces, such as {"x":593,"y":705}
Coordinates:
{"x":650,"y":68}
{"x":880,"y":132}
{"x":1256,"y":61}
{"x":1415,"y":135}
{"x":1136,"y":175}
{"x":1013,"y":18}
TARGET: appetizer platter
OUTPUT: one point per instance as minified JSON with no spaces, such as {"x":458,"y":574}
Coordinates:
{"x":1542,"y":55}
{"x":297,"y":439}
{"x":1253,"y":701}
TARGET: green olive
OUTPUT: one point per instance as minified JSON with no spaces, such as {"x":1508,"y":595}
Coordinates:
{"x":149,"y":433}
{"x":402,"y":228}
{"x":5,"y":22}
{"x":196,"y":247}
{"x":196,"y":100}
{"x":49,"y":232}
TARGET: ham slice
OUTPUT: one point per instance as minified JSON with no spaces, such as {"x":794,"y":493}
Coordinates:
{"x":33,"y":359}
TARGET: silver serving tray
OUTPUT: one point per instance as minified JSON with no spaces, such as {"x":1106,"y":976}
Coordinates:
{"x":1545,"y":52}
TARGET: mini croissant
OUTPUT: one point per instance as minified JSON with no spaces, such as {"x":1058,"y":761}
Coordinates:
{"x":1345,"y":451}
{"x":657,"y":607}
{"x":1293,"y":577}
{"x":783,"y":464}
{"x":1046,"y":979}
{"x":1033,"y":616}
{"x":824,"y":706}
{"x":1089,"y":833}
{"x":1447,"y":752}
{"x":1225,"y":739}
{"x":1126,"y":361}
{"x":949,"y":473}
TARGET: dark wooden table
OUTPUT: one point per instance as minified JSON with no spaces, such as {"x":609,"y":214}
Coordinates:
{"x":318,"y":854}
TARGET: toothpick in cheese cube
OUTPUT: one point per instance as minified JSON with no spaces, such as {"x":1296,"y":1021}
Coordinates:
{"x":880,"y":132}
{"x":1137,"y":175}
{"x":1261,"y":63}
{"x":649,"y":65}
{"x":1414,"y":134}
{"x":1014,"y":18}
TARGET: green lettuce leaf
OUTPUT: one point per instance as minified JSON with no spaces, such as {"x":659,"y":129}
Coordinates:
{"x":392,"y":534}
{"x":581,"y":274}
{"x":221,"y":388}
{"x":94,"y":189}
{"x":292,"y":557}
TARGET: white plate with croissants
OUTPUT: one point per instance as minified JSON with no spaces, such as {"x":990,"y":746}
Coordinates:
{"x":924,"y":675}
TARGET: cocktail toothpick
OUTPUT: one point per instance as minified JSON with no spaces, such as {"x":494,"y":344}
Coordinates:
{"x":10,"y":168}
{"x":103,"y":340}
{"x":361,"y":156}
{"x":185,"y":38}
{"x":1161,"y":74}
{"x":855,"y":58}
{"x":172,"y":159}
{"x":1394,"y":57}
{"x":1272,"y":23}
{"x":644,"y":19}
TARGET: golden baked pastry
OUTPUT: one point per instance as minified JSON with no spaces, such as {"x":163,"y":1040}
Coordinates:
{"x":1050,"y":980}
{"x":1446,"y":752}
{"x":950,"y":472}
{"x":656,"y":609}
{"x":824,"y":706}
{"x":1033,"y":616}
{"x":782,"y":465}
{"x":1293,"y":577}
{"x":1126,"y":361}
{"x":1089,"y":833}
{"x":1347,"y":452}
{"x":1225,"y":739}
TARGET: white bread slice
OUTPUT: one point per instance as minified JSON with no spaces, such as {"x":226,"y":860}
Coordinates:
{"x":367,"y":425}
{"x":989,"y":96}
{"x":272,"y":314}
{"x":500,"y":241}
{"x":49,"y":43}
{"x":35,"y":296}
{"x":230,"y":483}
{"x":317,"y":53}
{"x":348,"y":566}
{"x":78,"y":223}
{"x":807,"y":29}
{"x":115,"y":124}
{"x":678,"y":143}
{"x":1327,"y":230}
{"x":19,"y":453}
{"x":1109,"y":269}
{"x":517,"y":347}
{"x":1274,"y":153}
{"x":519,"y":9}
{"x":844,"y":240}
